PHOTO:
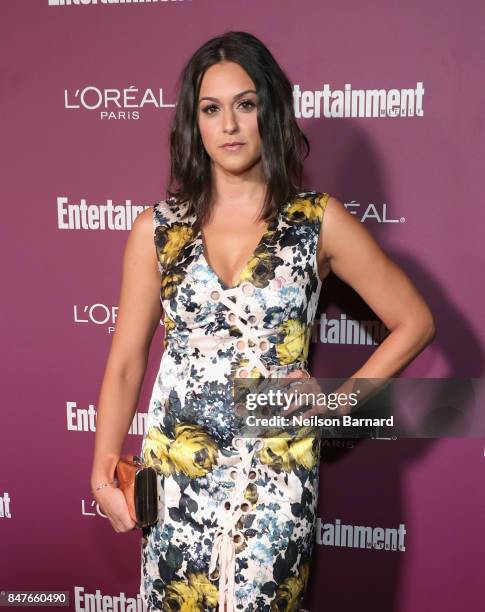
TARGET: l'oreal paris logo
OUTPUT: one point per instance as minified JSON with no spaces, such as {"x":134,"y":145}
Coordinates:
{"x":112,"y":100}
{"x":372,"y":211}
{"x":99,"y":314}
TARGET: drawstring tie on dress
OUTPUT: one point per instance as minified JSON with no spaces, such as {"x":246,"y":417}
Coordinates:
{"x":223,"y":549}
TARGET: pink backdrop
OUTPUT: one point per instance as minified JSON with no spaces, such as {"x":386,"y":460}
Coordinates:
{"x":420,"y":176}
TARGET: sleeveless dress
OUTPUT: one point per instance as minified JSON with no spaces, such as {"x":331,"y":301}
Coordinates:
{"x":236,"y":521}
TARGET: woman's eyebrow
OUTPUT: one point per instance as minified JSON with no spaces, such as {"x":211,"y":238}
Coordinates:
{"x":239,"y":95}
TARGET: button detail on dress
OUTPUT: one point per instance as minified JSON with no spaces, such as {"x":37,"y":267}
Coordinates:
{"x":242,"y":373}
{"x":247,"y":288}
{"x":237,"y":442}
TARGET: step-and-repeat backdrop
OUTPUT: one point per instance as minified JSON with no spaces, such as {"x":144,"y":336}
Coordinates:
{"x":87,"y":93}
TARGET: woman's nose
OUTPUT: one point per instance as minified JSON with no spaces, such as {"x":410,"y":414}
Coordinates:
{"x":229,"y":122}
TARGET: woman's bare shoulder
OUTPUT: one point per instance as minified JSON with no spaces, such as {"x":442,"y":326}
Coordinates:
{"x":144,"y":222}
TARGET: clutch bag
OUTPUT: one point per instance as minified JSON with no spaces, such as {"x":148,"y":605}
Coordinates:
{"x":139,"y":485}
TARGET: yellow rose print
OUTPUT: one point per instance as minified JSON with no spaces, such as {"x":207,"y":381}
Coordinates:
{"x":180,"y":597}
{"x":193,"y":452}
{"x":295,"y":343}
{"x":320,"y":203}
{"x":171,"y":240}
{"x":286,"y":453}
{"x":206,"y":590}
{"x":289,"y":592}
{"x":301,"y":449}
{"x":194,"y":595}
{"x":275,"y":453}
{"x":305,"y":209}
{"x":169,"y":284}
{"x":260,"y":269}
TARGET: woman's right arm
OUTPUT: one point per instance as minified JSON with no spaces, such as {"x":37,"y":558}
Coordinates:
{"x":139,"y":313}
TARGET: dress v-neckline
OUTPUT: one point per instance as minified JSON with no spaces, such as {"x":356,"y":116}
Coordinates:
{"x":267,"y":232}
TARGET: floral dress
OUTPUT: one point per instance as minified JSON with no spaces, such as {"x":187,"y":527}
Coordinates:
{"x":236,"y":521}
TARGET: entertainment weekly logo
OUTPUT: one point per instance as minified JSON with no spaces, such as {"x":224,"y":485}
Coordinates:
{"x":97,"y":217}
{"x":358,"y":103}
{"x":84,"y":420}
{"x":120,"y":217}
{"x":343,"y":535}
{"x":86,"y":601}
{"x":5,"y":500}
{"x":345,"y":331}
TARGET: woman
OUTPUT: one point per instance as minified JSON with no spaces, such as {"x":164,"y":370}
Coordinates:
{"x":240,"y":253}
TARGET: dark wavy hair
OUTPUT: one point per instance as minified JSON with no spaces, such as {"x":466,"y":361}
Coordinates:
{"x":281,"y":138}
